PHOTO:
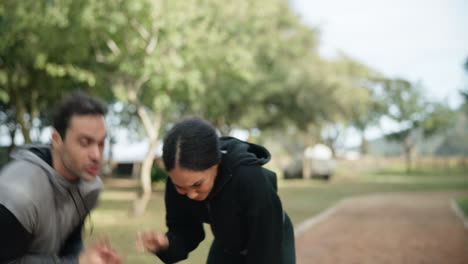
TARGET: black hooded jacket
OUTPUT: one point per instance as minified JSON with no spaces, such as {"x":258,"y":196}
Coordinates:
{"x":243,"y":209}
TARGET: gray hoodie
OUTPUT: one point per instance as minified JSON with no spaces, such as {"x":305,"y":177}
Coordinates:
{"x":48,"y":206}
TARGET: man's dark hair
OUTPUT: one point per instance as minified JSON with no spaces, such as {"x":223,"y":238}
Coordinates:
{"x":191,"y":144}
{"x":76,"y":103}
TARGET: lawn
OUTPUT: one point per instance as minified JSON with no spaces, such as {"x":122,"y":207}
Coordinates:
{"x":301,"y":199}
{"x":463,"y":205}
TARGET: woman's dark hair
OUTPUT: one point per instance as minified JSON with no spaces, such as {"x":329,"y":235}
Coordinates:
{"x":77,"y":103}
{"x":191,"y":144}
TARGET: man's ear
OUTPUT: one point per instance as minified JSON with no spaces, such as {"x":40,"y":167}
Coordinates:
{"x":56,"y":139}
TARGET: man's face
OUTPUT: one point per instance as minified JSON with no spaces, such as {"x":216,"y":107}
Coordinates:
{"x":79,"y":154}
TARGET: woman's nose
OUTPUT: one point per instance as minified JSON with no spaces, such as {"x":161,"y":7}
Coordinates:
{"x":192,"y":195}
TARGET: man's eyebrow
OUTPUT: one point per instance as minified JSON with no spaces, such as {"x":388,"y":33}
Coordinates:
{"x":91,"y":138}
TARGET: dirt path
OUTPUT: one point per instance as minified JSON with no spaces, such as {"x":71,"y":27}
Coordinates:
{"x":388,"y":228}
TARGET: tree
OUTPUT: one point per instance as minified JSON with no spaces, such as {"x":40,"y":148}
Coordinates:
{"x":464,"y":93}
{"x":7,"y":119}
{"x":406,"y":108}
{"x":248,"y":42}
{"x":438,"y":117}
{"x":362,"y":101}
{"x":176,"y":58}
{"x":152,"y":48}
{"x":351,"y":100}
{"x":44,"y":52}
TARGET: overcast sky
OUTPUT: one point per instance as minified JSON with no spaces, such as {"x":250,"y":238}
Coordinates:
{"x":420,"y":40}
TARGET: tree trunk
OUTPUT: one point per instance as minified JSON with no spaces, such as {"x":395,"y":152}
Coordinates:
{"x":364,"y":145}
{"x":408,"y":161}
{"x":17,"y":100}
{"x":408,"y":146}
{"x":306,"y":161}
{"x":331,"y":145}
{"x":12,"y":144}
{"x":20,"y":118}
{"x":34,"y":113}
{"x":152,"y":129}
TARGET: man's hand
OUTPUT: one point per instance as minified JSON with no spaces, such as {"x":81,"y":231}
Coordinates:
{"x":100,"y":253}
{"x":152,"y":241}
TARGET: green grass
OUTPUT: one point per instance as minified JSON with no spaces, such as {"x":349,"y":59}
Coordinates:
{"x":111,"y":219}
{"x":301,"y":199}
{"x":423,"y":171}
{"x":463,"y":204}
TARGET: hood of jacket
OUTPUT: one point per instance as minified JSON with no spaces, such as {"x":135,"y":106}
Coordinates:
{"x":237,"y":153}
{"x":41,"y":156}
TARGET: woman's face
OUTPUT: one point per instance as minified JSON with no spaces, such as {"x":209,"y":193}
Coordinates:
{"x":196,"y":185}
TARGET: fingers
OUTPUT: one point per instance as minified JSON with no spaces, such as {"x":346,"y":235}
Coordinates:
{"x":100,"y":252}
{"x":162,"y":240}
{"x":151,"y":241}
{"x":110,"y":255}
{"x":140,"y":245}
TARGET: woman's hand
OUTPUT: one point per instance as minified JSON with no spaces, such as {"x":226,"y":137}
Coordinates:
{"x":152,"y":241}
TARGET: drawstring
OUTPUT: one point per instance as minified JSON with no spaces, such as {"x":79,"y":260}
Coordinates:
{"x":88,"y":212}
{"x":76,"y":205}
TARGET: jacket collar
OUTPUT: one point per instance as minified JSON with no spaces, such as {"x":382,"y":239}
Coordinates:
{"x":223,"y":176}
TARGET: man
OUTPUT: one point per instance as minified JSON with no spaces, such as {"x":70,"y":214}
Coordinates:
{"x":46,"y":192}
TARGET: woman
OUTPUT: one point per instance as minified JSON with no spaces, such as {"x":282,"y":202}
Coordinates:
{"x":220,"y":181}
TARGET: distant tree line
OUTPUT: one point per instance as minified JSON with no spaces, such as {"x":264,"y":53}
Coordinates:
{"x":247,"y":64}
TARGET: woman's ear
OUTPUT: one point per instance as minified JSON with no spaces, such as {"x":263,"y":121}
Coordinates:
{"x":214,"y":167}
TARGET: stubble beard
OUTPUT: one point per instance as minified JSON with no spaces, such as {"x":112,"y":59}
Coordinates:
{"x":76,"y":173}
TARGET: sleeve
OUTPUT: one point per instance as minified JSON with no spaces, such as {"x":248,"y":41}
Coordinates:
{"x":15,"y":241}
{"x":185,"y":231}
{"x":264,"y":216}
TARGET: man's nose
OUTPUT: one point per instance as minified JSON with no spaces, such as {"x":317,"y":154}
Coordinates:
{"x":95,"y":153}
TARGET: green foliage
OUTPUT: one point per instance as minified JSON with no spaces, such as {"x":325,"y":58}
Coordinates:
{"x":405,"y":101}
{"x":438,"y":117}
{"x":455,"y":141}
{"x":247,"y":64}
{"x":411,"y":111}
{"x":463,"y":204}
{"x":464,"y":94}
{"x":414,"y":114}
{"x":45,"y":51}
{"x":406,"y":106}
{"x":158,"y":174}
